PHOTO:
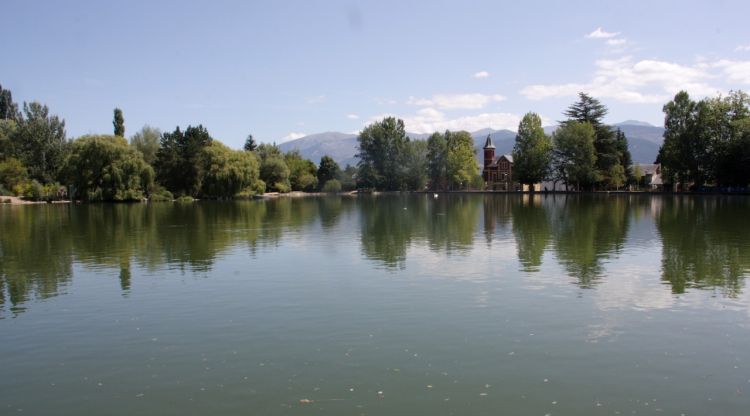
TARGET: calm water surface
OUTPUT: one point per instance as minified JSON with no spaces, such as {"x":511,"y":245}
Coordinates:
{"x":393,"y":305}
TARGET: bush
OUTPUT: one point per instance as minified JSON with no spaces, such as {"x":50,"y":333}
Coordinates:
{"x":185,"y":198}
{"x":282,"y":187}
{"x":12,"y":173}
{"x":159,"y":198}
{"x":332,"y":186}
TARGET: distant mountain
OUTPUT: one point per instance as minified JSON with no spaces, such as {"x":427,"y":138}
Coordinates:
{"x":340,"y":146}
{"x":644,"y":141}
{"x":634,"y":123}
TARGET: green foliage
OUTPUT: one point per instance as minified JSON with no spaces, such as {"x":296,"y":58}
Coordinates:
{"x":227,"y":172}
{"x":332,"y":186}
{"x":706,"y":141}
{"x":274,"y":171}
{"x":301,"y":172}
{"x":146,"y":141}
{"x":178,"y":162}
{"x":415,"y":163}
{"x":159,"y":194}
{"x":106,"y":168}
{"x":348,"y":178}
{"x":616,"y":176}
{"x":8,"y":109}
{"x":35,"y":191}
{"x":381,"y":150}
{"x":39,"y":142}
{"x":437,"y":154}
{"x":574,"y":155}
{"x":7,"y":130}
{"x":327,"y":170}
{"x":461,"y":166}
{"x":119,"y":123}
{"x":638,"y":174}
{"x":532,"y":152}
{"x":12,"y":173}
{"x":250,"y":144}
{"x":611,"y":149}
{"x":185,"y":199}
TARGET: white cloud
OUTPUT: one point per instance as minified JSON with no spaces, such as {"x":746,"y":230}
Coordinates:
{"x":482,"y":74}
{"x":429,"y":120}
{"x":352,"y":116}
{"x":743,"y":48}
{"x":456,"y":101}
{"x":645,"y":81}
{"x":735,"y":71}
{"x":318,"y":99}
{"x":292,"y":136}
{"x":600,"y":33}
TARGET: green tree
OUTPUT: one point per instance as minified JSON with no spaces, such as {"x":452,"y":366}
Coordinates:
{"x":437,"y":164}
{"x":348,"y":178}
{"x":274,"y":171}
{"x":532,"y":152}
{"x":461,"y":166}
{"x":574,"y":155}
{"x":626,"y":160}
{"x":302,"y":172}
{"x":39,"y":142}
{"x":146,"y":141}
{"x":415,"y":161}
{"x":227,"y":172}
{"x":178,"y":162}
{"x":12,"y":173}
{"x":638,"y":174}
{"x":608,"y":152}
{"x":119,"y":123}
{"x":106,"y":168}
{"x":327,"y":170}
{"x":7,"y":130}
{"x":250,"y":144}
{"x":8,"y":109}
{"x":381,"y":148}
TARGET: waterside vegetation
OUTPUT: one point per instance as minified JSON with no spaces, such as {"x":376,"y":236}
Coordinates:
{"x":706,"y":146}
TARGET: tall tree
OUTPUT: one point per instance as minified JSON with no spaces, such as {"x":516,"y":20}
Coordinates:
{"x":250,"y":144}
{"x":119,"y":123}
{"x":178,"y":162}
{"x":461,"y":165}
{"x":146,"y":141}
{"x":574,"y":155}
{"x":39,"y":142}
{"x":327,"y":170}
{"x":589,"y":110}
{"x":8,"y":109}
{"x":437,"y":154}
{"x":381,"y":148}
{"x":415,"y":160}
{"x":532,"y":152}
{"x":626,"y":160}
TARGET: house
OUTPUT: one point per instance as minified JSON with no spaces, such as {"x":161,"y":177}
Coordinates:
{"x":652,"y":176}
{"x":497,"y":172}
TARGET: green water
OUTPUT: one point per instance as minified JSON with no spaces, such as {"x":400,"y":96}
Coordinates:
{"x":391,"y":305}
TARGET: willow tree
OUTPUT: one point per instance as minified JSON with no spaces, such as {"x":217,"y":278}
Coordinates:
{"x":106,"y":168}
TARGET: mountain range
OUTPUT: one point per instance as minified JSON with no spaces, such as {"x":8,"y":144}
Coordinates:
{"x":644,"y":141}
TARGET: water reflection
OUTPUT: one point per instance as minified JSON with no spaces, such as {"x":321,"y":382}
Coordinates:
{"x":702,"y":241}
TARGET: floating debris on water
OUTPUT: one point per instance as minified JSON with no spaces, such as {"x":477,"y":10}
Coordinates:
{"x":305,"y":401}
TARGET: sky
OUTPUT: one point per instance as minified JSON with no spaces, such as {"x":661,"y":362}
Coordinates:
{"x":282,"y":69}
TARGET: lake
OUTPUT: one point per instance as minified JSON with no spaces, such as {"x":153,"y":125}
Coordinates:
{"x":378,"y":305}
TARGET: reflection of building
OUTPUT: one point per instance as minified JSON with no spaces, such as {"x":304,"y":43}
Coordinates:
{"x":498,"y":172}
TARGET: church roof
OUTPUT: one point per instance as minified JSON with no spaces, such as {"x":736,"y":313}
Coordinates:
{"x":488,"y":144}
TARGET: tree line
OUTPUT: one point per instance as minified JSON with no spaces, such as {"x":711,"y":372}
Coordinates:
{"x":706,"y":143}
{"x":583,"y":152}
{"x":38,"y":162}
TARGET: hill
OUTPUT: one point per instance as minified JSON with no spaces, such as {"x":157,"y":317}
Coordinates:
{"x":644,"y":141}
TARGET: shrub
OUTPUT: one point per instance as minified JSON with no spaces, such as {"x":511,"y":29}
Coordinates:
{"x":282,"y":187}
{"x":332,"y":186}
{"x":185,"y":198}
{"x":159,"y":198}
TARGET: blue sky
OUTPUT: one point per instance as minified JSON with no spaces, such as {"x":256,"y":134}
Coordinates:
{"x":285,"y":68}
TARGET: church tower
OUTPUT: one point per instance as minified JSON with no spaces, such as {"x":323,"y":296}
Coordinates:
{"x":489,"y":156}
